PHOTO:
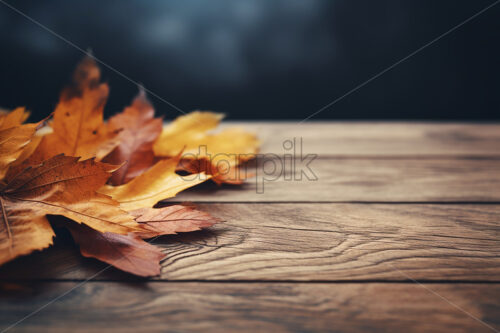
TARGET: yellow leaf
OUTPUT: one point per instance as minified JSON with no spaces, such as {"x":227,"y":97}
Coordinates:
{"x":158,"y":183}
{"x":191,"y":133}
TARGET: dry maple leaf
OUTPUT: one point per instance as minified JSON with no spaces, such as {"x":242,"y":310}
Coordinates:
{"x":138,"y":130}
{"x":218,"y":154}
{"x":60,"y":186}
{"x":78,"y":125}
{"x":81,"y":107}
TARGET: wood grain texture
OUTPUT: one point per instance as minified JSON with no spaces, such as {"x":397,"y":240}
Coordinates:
{"x":304,"y":242}
{"x":366,"y":180}
{"x":290,"y":259}
{"x":268,"y":307}
{"x":354,"y":139}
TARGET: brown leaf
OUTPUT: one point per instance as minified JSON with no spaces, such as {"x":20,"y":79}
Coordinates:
{"x":171,"y":220}
{"x":64,"y":186}
{"x":60,"y":186}
{"x":78,"y":126}
{"x":138,"y":130}
{"x":126,"y":252}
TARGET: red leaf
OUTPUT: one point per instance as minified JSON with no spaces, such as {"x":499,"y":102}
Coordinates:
{"x":126,"y":252}
{"x":171,"y":220}
{"x":138,"y":130}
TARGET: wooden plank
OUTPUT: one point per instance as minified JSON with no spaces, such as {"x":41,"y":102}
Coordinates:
{"x":243,"y":307}
{"x":307,"y":242}
{"x":366,"y":180}
{"x":350,"y":139}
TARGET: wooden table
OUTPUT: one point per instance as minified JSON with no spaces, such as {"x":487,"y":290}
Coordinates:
{"x":401,"y":232}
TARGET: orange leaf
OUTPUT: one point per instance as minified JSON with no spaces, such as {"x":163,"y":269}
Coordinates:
{"x":13,"y":118}
{"x":79,"y":129}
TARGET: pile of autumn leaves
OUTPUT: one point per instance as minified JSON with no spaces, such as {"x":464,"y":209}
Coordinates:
{"x":105,"y":178}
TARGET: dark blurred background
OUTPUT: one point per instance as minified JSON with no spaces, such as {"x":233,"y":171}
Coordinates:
{"x":262,"y":59}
